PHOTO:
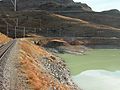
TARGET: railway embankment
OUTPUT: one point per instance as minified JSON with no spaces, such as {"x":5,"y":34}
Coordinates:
{"x":27,"y":66}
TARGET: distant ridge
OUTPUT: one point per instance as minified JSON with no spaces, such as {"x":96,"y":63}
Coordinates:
{"x":112,"y":12}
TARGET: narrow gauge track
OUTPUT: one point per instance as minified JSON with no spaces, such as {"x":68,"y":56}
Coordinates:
{"x":5,"y":48}
{"x":4,"y":51}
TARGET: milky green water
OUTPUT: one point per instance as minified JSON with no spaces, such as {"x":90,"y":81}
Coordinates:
{"x":103,"y":59}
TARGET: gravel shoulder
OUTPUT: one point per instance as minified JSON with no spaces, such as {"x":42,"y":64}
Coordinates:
{"x":10,"y":68}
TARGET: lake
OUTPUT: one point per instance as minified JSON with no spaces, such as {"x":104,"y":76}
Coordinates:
{"x":98,"y":69}
{"x":106,"y":59}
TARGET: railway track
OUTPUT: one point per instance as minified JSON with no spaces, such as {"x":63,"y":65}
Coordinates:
{"x":4,"y":52}
{"x":5,"y":48}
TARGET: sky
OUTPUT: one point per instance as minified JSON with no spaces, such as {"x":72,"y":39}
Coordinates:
{"x":102,"y":5}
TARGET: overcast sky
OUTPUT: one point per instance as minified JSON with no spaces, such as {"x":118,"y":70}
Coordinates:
{"x":101,"y":5}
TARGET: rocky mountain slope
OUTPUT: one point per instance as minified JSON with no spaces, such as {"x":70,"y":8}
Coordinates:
{"x":61,"y":19}
{"x":52,"y":6}
{"x":105,"y":18}
{"x":46,"y":4}
{"x":46,"y":25}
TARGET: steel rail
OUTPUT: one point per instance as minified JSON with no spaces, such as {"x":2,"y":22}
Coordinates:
{"x":4,"y":49}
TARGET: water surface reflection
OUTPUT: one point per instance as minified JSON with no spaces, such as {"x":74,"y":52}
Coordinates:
{"x":98,"y":80}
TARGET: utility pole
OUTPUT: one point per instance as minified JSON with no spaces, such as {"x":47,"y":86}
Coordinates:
{"x":14,"y":4}
{"x":7,"y":30}
{"x":24,"y":32}
{"x":17,"y":21}
{"x":16,"y":27}
{"x":15,"y":31}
